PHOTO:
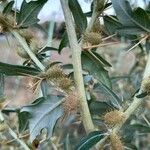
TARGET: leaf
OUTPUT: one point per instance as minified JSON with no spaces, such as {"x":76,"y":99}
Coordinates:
{"x":111,"y":24}
{"x":140,"y":127}
{"x":28,"y":13}
{"x":142,"y":18}
{"x":48,"y":49}
{"x":98,"y":71}
{"x":79,"y":17}
{"x":87,"y":142}
{"x":129,"y":31}
{"x":10,"y":110}
{"x":64,"y":42}
{"x":104,"y":93}
{"x":147,"y":45}
{"x":8,"y":8}
{"x":23,"y":121}
{"x":129,"y":18}
{"x":17,"y":70}
{"x":142,"y":95}
{"x":44,"y":113}
{"x":106,"y":63}
{"x":99,"y":108}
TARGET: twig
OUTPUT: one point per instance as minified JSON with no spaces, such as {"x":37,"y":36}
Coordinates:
{"x":99,"y":45}
{"x":96,"y":12}
{"x":145,"y":37}
{"x":146,"y":120}
{"x":76,"y":58}
{"x":108,"y":37}
{"x":20,"y":137}
{"x":27,"y":49}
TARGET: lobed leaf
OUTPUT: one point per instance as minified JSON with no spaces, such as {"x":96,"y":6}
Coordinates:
{"x":129,"y":18}
{"x":43,"y":114}
{"x":28,"y":13}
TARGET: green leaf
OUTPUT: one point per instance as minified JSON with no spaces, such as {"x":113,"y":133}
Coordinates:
{"x":8,"y":8}
{"x":105,"y":63}
{"x":23,"y":121}
{"x":128,"y":18}
{"x":106,"y":94}
{"x":17,"y":70}
{"x":99,"y":108}
{"x":98,"y":72}
{"x":142,"y":18}
{"x":111,"y":24}
{"x":44,"y":113}
{"x":64,"y":42}
{"x":140,"y":127}
{"x":79,"y":16}
{"x":87,"y":142}
{"x":48,"y":49}
{"x":129,"y":31}
{"x":28,"y":13}
{"x":147,"y":45}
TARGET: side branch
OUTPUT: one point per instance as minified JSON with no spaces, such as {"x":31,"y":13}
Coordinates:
{"x":133,"y":106}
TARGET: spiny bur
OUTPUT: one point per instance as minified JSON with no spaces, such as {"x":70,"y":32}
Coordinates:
{"x":3,"y":126}
{"x":64,"y":83}
{"x":113,"y":117}
{"x":116,"y":143}
{"x":55,"y":72}
{"x":146,"y":84}
{"x":93,"y":38}
{"x":71,"y":102}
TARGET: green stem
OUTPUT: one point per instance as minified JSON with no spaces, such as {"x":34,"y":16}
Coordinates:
{"x":22,"y":41}
{"x":76,"y":58}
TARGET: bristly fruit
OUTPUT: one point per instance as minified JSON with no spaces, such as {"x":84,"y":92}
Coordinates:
{"x":116,"y":143}
{"x":145,"y":86}
{"x":71,"y":102}
{"x":64,"y":84}
{"x":55,"y":72}
{"x":113,"y":117}
{"x":93,"y":38}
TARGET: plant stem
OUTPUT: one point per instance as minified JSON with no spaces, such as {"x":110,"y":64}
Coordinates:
{"x":27,"y":49}
{"x":133,"y":106}
{"x":97,"y":9}
{"x":76,"y":58}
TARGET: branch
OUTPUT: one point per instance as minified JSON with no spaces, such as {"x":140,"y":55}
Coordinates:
{"x":97,"y":9}
{"x":76,"y":58}
{"x":22,"y":41}
{"x":133,"y":106}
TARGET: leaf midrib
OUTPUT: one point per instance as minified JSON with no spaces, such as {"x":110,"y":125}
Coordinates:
{"x":27,"y":16}
{"x":134,"y":21}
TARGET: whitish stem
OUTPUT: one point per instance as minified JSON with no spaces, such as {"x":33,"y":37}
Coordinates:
{"x":76,"y":59}
{"x":24,"y":44}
